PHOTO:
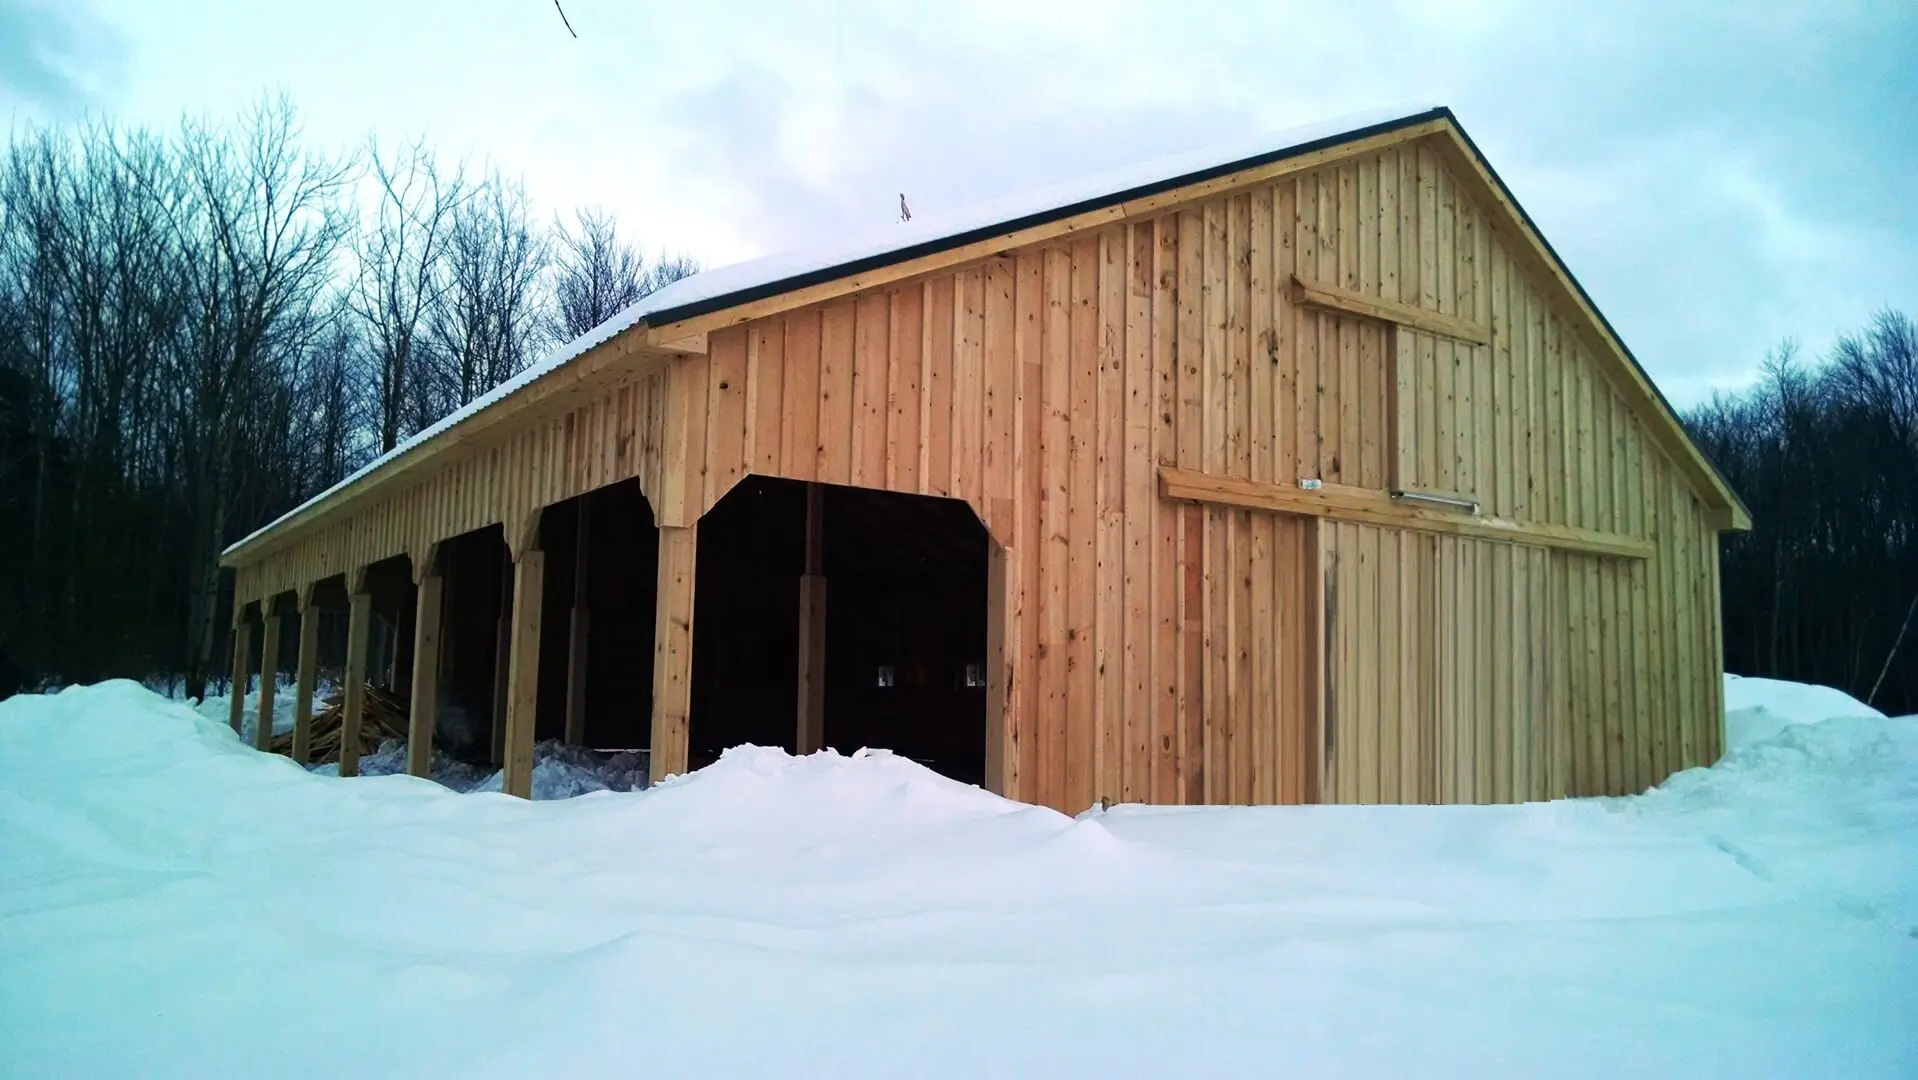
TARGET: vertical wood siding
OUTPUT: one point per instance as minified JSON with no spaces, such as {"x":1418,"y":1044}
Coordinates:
{"x":1169,"y":652}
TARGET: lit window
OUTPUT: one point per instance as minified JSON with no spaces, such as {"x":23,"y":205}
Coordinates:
{"x":885,"y":675}
{"x":975,"y":674}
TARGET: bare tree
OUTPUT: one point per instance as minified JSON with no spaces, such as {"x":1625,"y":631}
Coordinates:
{"x":258,"y":237}
{"x":486,"y":323}
{"x":595,"y":274}
{"x":187,"y":351}
{"x":1823,"y":587}
{"x":399,"y":282}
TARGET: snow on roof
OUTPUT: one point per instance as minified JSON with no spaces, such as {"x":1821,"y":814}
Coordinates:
{"x":725,"y":286}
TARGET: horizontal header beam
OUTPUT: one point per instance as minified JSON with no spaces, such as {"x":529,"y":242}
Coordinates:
{"x":1370,"y":507}
{"x":1317,"y":294}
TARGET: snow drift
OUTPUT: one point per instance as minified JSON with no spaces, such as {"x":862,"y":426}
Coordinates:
{"x":175,"y":904}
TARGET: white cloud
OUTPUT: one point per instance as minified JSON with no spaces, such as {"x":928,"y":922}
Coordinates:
{"x":1719,"y":177}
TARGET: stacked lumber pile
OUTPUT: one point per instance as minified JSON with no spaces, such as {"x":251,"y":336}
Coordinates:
{"x":382,"y":718}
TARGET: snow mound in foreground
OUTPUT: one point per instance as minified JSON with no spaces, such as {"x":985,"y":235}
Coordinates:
{"x":173,"y":903}
{"x":1758,"y":709}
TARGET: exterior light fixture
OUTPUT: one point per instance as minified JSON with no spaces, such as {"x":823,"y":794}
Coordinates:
{"x":1450,"y":502}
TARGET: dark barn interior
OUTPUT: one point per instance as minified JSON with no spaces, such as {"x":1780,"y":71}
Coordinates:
{"x":905,"y":636}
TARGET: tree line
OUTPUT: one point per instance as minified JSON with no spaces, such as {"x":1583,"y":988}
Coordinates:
{"x":202,"y":327}
{"x":1824,"y":588}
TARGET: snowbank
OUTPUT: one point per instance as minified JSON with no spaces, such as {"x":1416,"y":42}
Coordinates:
{"x":175,"y":904}
{"x":1759,"y":709}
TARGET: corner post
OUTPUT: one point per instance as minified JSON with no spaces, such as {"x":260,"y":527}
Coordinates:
{"x":673,"y":650}
{"x":424,"y":708}
{"x":359,"y":617}
{"x":308,"y":671}
{"x":811,"y":736}
{"x":522,"y":678}
{"x":269,"y":673}
{"x":242,"y":665}
{"x":1003,"y":721}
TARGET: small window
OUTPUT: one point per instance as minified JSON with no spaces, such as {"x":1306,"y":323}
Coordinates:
{"x":885,"y":676}
{"x":975,"y":674}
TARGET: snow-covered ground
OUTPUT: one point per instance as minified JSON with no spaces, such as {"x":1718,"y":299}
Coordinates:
{"x":175,"y":904}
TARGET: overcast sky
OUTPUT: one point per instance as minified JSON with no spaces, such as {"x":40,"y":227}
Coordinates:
{"x":1719,"y":175}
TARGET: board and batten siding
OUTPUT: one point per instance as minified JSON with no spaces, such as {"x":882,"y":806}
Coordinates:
{"x":1173,"y":651}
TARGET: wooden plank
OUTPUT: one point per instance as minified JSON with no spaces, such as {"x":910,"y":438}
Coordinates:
{"x":968,"y":364}
{"x":307,"y":676}
{"x":269,"y":674}
{"x":811,"y":721}
{"x":359,"y":620}
{"x":424,"y":707}
{"x":1024,"y":647}
{"x":1328,"y":331}
{"x":799,"y":394}
{"x":1081,"y":521}
{"x":673,"y":651}
{"x":871,"y":374}
{"x":1305,"y":335}
{"x":1400,"y":629}
{"x":999,"y":379}
{"x":1108,"y":492}
{"x":998,"y":685}
{"x":726,"y":431}
{"x":1138,"y":510}
{"x":837,"y":326}
{"x":579,"y":625}
{"x":1054,"y":520}
{"x":1166,"y":517}
{"x":1192,"y":660}
{"x":1378,"y":508}
{"x":1215,"y":560}
{"x":522,"y":678}
{"x":1503,"y":663}
{"x":1236,"y":394}
{"x":938,"y":426}
{"x":1366,"y":658}
{"x":907,"y":330}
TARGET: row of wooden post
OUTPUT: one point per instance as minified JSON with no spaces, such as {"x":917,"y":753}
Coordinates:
{"x":517,"y":685}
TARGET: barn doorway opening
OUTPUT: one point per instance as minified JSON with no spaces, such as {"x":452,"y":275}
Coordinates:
{"x":596,"y":659}
{"x":900,"y":652}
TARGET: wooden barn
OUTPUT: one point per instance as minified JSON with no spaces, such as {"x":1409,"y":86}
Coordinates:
{"x":1299,"y":472}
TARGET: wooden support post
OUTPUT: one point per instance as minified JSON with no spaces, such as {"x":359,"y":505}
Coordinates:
{"x":424,"y":709}
{"x":576,"y":631}
{"x":522,"y":680}
{"x":999,"y":697}
{"x":269,"y":673}
{"x":242,"y":666}
{"x":359,"y":619}
{"x":307,"y":674}
{"x":502,"y":657}
{"x":673,"y":650}
{"x":812,"y":628}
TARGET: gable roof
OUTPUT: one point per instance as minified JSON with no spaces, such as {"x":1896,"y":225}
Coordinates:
{"x":741,"y":284}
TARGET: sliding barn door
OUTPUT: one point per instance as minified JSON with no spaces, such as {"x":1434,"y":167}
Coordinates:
{"x":1436,"y":674}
